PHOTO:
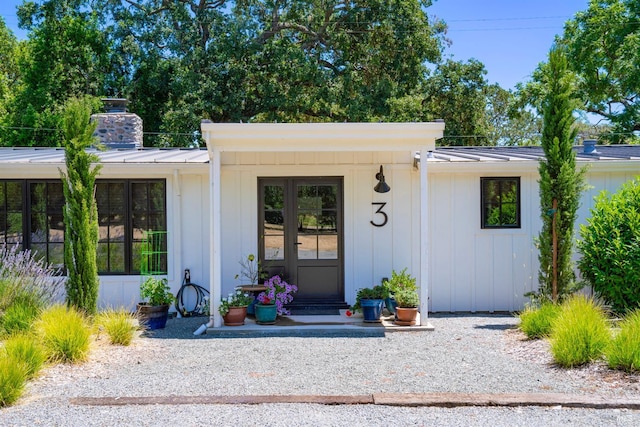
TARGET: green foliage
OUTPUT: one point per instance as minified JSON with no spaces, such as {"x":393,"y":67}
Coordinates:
{"x":610,"y":247}
{"x":65,"y":334}
{"x":624,"y":350}
{"x":26,"y":348}
{"x":603,"y":48}
{"x":580,"y":333}
{"x":407,"y":298}
{"x":402,"y":286}
{"x":155,"y":291}
{"x":118,"y":324}
{"x":560,"y":182}
{"x":13,"y":377}
{"x":536,"y":322}
{"x":18,"y":317}
{"x":234,"y":299}
{"x":376,"y":292}
{"x":80,"y":209}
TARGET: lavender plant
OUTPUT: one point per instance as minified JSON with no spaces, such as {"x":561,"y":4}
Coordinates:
{"x":24,"y":278}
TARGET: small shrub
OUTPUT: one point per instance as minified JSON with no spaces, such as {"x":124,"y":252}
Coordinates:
{"x":26,"y":349}
{"x":18,"y":317}
{"x":13,"y":378}
{"x":118,"y":324}
{"x":536,"y":322}
{"x":610,"y":260}
{"x":580,"y":333}
{"x":624,"y":350}
{"x":65,"y":334}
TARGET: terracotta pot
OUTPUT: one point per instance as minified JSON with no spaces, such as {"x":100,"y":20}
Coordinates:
{"x":235,"y":316}
{"x":406,"y":316}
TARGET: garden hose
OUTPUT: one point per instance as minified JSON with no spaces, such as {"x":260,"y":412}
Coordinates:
{"x":201,"y":294}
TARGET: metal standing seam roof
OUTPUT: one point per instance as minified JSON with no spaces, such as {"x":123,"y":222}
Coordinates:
{"x":529,"y":153}
{"x":31,"y":155}
{"x":49,"y":155}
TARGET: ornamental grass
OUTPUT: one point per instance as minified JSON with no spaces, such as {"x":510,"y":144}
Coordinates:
{"x":120,"y":325}
{"x":27,"y":349}
{"x":624,"y":350}
{"x":580,"y":333}
{"x":13,"y":378}
{"x":537,"y":322}
{"x":65,"y":334}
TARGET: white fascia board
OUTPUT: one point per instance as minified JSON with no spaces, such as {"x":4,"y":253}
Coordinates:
{"x":280,"y":137}
{"x":525,"y":166}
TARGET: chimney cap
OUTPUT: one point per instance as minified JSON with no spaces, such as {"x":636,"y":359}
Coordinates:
{"x":115,"y":105}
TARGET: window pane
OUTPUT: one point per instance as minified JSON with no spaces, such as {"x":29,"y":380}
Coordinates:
{"x":55,"y":197}
{"x":39,"y":251}
{"x":156,"y":191}
{"x":38,"y":197}
{"x":116,"y":198}
{"x":14,"y":196}
{"x":139,"y":196}
{"x":500,"y":202}
{"x":56,"y":228}
{"x":14,"y":227}
{"x":38,"y":227}
{"x":56,"y":254}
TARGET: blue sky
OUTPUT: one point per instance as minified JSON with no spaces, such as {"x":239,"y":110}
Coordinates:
{"x":509,"y":36}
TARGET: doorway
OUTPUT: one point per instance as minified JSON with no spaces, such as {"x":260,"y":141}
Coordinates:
{"x":301,"y":235}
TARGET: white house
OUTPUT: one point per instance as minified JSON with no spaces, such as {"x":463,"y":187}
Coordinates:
{"x":301,"y":196}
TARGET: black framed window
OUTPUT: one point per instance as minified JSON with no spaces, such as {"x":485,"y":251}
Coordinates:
{"x":11,"y":212}
{"x":500,"y":199}
{"x":31,"y":215}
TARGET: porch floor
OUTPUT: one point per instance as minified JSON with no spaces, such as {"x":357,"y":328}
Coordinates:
{"x":316,"y":326}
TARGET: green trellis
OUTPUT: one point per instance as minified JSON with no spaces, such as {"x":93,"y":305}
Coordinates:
{"x":154,"y":254}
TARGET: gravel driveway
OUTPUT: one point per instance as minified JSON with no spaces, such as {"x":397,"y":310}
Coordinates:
{"x":465,"y":354}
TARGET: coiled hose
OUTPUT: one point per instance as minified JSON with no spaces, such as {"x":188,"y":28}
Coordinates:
{"x":201,"y":305}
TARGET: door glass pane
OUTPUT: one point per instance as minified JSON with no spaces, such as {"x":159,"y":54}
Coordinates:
{"x":328,"y":246}
{"x":14,"y":227}
{"x":273,"y":226}
{"x":274,"y":247}
{"x":307,"y":246}
{"x":14,"y":196}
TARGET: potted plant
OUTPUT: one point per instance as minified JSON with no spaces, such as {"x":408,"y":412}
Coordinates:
{"x":271,"y":302}
{"x":407,"y":308}
{"x":251,"y":271}
{"x":399,"y":281}
{"x":153,"y":312}
{"x":233,"y":308}
{"x":370,"y":301}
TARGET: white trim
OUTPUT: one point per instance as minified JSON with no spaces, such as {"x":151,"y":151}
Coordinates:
{"x":424,"y":239}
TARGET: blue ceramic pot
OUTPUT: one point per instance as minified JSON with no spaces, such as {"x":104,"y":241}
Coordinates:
{"x":265,"y":313}
{"x":371,"y":309}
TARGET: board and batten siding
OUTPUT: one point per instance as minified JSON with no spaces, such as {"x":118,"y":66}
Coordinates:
{"x":370,"y":253}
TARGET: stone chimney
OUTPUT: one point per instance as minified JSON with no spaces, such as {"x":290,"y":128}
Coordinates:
{"x":116,"y":127}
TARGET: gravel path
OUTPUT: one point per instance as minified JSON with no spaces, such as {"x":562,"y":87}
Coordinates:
{"x":467,"y":354}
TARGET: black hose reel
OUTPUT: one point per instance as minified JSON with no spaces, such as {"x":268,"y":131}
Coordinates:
{"x":200,"y":306}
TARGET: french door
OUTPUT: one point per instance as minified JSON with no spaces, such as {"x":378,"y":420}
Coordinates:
{"x":301,"y":230}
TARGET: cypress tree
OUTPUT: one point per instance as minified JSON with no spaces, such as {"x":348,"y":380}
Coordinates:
{"x":80,"y":209}
{"x":560,"y":182}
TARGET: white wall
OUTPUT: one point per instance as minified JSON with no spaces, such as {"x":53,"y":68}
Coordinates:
{"x":370,"y":252}
{"x":475,"y":269}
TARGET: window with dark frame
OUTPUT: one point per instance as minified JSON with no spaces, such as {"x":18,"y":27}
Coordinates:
{"x":126,"y":210}
{"x":500,"y":199}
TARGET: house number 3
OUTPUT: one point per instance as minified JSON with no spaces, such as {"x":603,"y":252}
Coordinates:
{"x":385,"y":218}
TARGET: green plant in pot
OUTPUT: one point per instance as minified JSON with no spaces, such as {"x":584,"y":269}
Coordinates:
{"x":398,"y":282}
{"x":370,"y":301}
{"x":408,"y":302}
{"x":233,"y":308}
{"x":153,"y":312}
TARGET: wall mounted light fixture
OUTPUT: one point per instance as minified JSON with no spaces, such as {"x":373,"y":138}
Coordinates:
{"x":381,"y":186}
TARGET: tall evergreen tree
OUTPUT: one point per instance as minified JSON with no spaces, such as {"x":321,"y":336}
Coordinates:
{"x":80,"y":209}
{"x":560,"y":182}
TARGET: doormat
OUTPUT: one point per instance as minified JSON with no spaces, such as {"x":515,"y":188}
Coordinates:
{"x":314,"y":311}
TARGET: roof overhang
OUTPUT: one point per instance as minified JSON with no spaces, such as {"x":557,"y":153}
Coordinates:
{"x":280,"y":137}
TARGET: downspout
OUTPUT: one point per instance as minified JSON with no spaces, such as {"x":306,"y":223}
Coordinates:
{"x":215,"y":274}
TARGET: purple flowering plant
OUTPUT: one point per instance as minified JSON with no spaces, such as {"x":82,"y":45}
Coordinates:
{"x":279,"y":293}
